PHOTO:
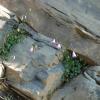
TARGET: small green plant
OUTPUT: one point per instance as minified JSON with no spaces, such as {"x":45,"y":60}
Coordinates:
{"x":12,"y":38}
{"x":72,"y":66}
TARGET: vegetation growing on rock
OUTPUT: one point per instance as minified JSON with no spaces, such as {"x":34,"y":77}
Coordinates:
{"x":72,"y":66}
{"x":14,"y":37}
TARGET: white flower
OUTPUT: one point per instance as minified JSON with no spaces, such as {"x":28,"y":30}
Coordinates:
{"x":59,"y":46}
{"x":14,"y":57}
{"x":25,"y":16}
{"x":31,"y":49}
{"x":56,"y":44}
{"x":18,"y":30}
{"x":74,"y":55}
{"x":53,"y":41}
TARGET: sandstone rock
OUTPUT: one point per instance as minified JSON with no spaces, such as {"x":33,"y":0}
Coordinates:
{"x":80,"y":88}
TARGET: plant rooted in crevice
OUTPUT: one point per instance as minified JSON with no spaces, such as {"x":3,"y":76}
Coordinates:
{"x":72,"y":66}
{"x":14,"y":37}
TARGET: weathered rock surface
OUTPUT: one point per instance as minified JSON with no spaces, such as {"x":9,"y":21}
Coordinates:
{"x":73,"y":12}
{"x":94,"y":73}
{"x":80,"y":88}
{"x":34,"y":80}
{"x":83,"y":12}
{"x":53,"y":27}
{"x":84,"y":87}
{"x":34,"y":67}
{"x":27,"y":11}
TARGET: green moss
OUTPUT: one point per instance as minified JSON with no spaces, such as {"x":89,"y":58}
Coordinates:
{"x":72,"y":66}
{"x":12,"y":38}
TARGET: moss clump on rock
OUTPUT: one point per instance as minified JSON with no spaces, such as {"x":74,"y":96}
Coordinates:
{"x":72,"y":66}
{"x":14,"y":37}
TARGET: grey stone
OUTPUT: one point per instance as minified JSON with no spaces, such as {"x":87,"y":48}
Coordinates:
{"x":94,"y":72}
{"x":42,"y":57}
{"x":44,"y":82}
{"x":30,"y":73}
{"x":67,"y":10}
{"x":42,"y":76}
{"x":20,"y":60}
{"x":54,"y":79}
{"x":60,"y":26}
{"x":27,"y":28}
{"x":80,"y":88}
{"x":83,"y":12}
{"x":45,"y":58}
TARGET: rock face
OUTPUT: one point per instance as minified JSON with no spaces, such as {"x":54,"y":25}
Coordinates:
{"x":84,"y":39}
{"x":27,"y":11}
{"x":34,"y":66}
{"x":61,"y":25}
{"x":84,"y":87}
{"x":84,"y":12}
{"x":77,"y":10}
{"x":94,"y":73}
{"x":80,"y":88}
